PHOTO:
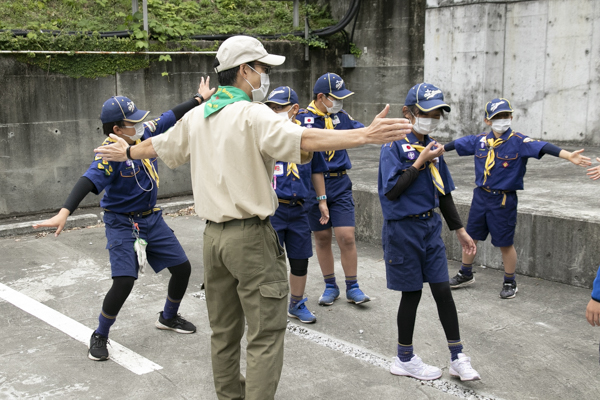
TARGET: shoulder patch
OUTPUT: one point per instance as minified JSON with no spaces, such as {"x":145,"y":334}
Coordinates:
{"x":528,"y":139}
{"x":302,"y":111}
{"x":108,"y":141}
{"x":152,"y":125}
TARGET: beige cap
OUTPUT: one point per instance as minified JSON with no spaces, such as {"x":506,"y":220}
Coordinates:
{"x":241,"y":49}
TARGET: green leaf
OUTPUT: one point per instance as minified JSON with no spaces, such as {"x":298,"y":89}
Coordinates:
{"x":165,"y":74}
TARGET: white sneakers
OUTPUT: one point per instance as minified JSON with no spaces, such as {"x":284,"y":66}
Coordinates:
{"x":416,"y":368}
{"x":461,"y":368}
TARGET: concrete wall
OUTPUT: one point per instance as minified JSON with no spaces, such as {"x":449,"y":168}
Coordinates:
{"x":544,"y":56}
{"x":49,"y":123}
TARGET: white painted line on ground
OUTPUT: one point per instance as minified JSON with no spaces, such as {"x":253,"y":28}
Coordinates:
{"x":28,"y":224}
{"x":118,"y":353}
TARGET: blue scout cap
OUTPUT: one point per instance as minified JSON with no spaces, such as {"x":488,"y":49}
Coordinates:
{"x":426,"y":97}
{"x":497,"y":106}
{"x":283,"y":95}
{"x":120,"y":108}
{"x":333,"y":85}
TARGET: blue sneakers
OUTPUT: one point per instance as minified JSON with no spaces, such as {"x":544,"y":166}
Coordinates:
{"x":331,"y":294}
{"x":355,"y":295}
{"x":302,"y":313}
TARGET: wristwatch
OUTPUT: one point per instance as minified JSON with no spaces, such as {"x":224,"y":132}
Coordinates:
{"x":324,"y":197}
{"x":198,"y":95}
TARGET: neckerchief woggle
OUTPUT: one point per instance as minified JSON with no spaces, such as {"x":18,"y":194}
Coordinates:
{"x":224,"y":96}
{"x":490,"y":159}
{"x":435,"y":174}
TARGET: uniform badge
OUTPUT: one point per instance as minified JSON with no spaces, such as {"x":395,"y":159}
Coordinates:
{"x":407,"y":147}
{"x":278,"y":169}
{"x":528,"y":139}
{"x":309,"y":120}
{"x":411,"y":155}
{"x":505,"y":164}
{"x":308,"y":126}
{"x":336,"y":120}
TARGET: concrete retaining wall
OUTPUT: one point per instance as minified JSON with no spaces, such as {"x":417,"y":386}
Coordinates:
{"x":552,"y":248}
{"x":544,"y":56}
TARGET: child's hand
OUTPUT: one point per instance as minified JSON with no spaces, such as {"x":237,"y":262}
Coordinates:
{"x":468,"y":245}
{"x":429,"y":152}
{"x":59,"y":221}
{"x":324,"y":212}
{"x":577,"y":159}
{"x":204,"y":88}
{"x":594,"y":173}
{"x":592,"y":313}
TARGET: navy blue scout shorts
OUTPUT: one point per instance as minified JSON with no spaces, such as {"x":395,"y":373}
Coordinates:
{"x":487,"y":215}
{"x":163,"y":250}
{"x":291,"y":225}
{"x":339,"y":201}
{"x":414,"y":253}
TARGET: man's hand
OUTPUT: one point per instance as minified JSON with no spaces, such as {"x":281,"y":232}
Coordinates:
{"x":594,"y":173}
{"x":324,"y":212}
{"x":204,"y":88}
{"x":592,"y":313}
{"x":385,"y":130}
{"x":577,"y":159}
{"x":468,"y":246}
{"x":113,"y":152}
{"x":59,"y":221}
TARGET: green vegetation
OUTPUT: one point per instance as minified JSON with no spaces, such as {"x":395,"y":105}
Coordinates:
{"x":170,"y":22}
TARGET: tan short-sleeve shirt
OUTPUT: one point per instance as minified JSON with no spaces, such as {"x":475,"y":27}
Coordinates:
{"x":232,"y":155}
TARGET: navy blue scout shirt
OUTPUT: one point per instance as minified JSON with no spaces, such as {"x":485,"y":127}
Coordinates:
{"x":510,"y":162}
{"x":336,"y":160}
{"x":421,"y":196}
{"x":118,"y":179}
{"x":289,"y":187}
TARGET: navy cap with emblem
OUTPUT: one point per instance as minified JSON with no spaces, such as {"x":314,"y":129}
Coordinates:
{"x":283,"y":95}
{"x":332,"y":84}
{"x":497,"y":106}
{"x":426,"y":97}
{"x":121,"y":108}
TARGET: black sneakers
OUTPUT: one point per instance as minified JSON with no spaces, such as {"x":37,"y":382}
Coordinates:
{"x":177,"y":324}
{"x":460,"y":280}
{"x":98,"y":350}
{"x":509,"y":290}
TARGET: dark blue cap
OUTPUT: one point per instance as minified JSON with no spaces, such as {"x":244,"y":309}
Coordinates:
{"x":426,"y":97}
{"x":120,"y":108}
{"x":497,"y":106}
{"x":333,"y":85}
{"x":283,"y":95}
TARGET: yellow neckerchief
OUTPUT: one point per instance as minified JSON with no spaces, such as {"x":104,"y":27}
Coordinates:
{"x":490,"y":160}
{"x":292,"y":168}
{"x":149,"y":166}
{"x":435,"y":174}
{"x":328,"y":123}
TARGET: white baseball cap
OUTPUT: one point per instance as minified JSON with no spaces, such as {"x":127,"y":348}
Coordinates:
{"x":238,"y":50}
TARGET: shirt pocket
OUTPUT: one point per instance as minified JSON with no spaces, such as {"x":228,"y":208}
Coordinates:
{"x":507,"y":155}
{"x":130,"y":172}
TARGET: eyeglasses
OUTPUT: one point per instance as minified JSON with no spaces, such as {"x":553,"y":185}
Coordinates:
{"x":266,"y":68}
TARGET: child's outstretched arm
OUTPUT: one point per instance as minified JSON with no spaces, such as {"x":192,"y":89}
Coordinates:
{"x":594,"y":172}
{"x":592,"y":312}
{"x":575,"y":157}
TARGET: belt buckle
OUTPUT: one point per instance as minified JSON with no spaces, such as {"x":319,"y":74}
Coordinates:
{"x":424,"y":215}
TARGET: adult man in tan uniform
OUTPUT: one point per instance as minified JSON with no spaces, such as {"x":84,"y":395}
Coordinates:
{"x":232,"y":144}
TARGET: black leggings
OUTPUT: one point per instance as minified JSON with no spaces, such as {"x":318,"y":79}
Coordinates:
{"x":122,"y":286}
{"x":407,"y":312}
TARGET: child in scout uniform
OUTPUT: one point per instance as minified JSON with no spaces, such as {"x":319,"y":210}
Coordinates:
{"x":325,"y":112}
{"x":413,"y":180}
{"x":131,"y":217}
{"x":501,"y":157}
{"x":292,"y":184}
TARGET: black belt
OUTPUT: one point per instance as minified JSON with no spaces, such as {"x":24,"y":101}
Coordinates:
{"x":337,"y":174}
{"x":424,"y":215}
{"x":240,"y":222}
{"x":295,"y":202}
{"x":499,"y":192}
{"x":136,"y":213}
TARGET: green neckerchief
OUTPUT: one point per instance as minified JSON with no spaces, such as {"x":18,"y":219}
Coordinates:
{"x":225,"y":95}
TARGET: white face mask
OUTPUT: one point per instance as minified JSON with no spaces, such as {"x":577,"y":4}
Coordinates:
{"x":336,"y":107}
{"x":284,"y":115}
{"x":260,"y":93}
{"x":500,"y":125}
{"x":139,"y":131}
{"x":425,"y":126}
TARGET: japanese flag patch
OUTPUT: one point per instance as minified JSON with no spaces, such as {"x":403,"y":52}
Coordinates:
{"x":309,"y":120}
{"x":278,"y":169}
{"x":407,"y":147}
